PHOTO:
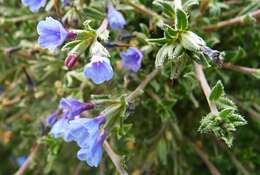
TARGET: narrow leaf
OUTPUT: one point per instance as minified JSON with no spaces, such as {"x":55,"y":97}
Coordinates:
{"x":216,"y":92}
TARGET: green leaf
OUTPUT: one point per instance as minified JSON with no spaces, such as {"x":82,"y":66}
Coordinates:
{"x":164,"y":52}
{"x":224,"y":102}
{"x":225,"y":112}
{"x":158,"y":41}
{"x":70,"y":45}
{"x":189,"y":3}
{"x":169,"y":32}
{"x":166,"y":6}
{"x":181,"y":20}
{"x":216,"y":92}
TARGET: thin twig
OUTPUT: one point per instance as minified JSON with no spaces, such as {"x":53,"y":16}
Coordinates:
{"x":233,"y":158}
{"x":255,"y":115}
{"x":205,"y":87}
{"x":115,"y":159}
{"x":204,"y":156}
{"x":144,"y":11}
{"x":78,"y":168}
{"x":26,"y":164}
{"x":142,"y":85}
{"x":242,"y":69}
{"x":230,"y":22}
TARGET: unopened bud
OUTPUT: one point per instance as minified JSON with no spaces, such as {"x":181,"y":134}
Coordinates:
{"x":72,"y":35}
{"x":214,"y":55}
{"x":192,"y":41}
{"x":71,"y":60}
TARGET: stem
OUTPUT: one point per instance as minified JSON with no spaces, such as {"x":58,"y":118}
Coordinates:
{"x":230,"y":22}
{"x":144,"y":11}
{"x":205,"y":87}
{"x":115,"y":159}
{"x":142,"y":85}
{"x":26,"y":164}
{"x":204,"y":156}
{"x":234,"y":159}
{"x":246,"y":70}
{"x":103,"y":26}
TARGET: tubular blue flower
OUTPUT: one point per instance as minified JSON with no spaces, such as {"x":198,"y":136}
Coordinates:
{"x":99,"y":69}
{"x":34,"y":5}
{"x":84,"y":130}
{"x":51,"y":120}
{"x":132,"y":59}
{"x":70,"y":108}
{"x":52,"y":33}
{"x":115,"y":19}
{"x":59,"y":128}
{"x":93,"y":154}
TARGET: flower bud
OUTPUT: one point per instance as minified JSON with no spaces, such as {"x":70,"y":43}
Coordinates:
{"x":71,"y":60}
{"x":214,"y":55}
{"x":72,"y":35}
{"x":191,"y":41}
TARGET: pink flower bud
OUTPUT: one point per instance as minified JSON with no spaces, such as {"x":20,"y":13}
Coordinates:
{"x":71,"y":60}
{"x":72,"y":35}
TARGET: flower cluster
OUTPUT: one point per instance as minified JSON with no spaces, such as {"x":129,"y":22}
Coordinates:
{"x":66,"y":121}
{"x":84,"y":131}
{"x":52,"y":35}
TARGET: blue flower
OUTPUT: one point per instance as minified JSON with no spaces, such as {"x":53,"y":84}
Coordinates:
{"x":52,"y":33}
{"x":34,"y":5}
{"x":99,"y":69}
{"x":66,"y":2}
{"x":59,"y":128}
{"x":84,"y":130}
{"x":21,"y":160}
{"x":93,"y":153}
{"x":69,"y":109}
{"x":132,"y":59}
{"x":115,"y":19}
{"x":72,"y":107}
{"x":51,"y":120}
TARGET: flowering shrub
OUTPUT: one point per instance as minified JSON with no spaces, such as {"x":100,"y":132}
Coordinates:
{"x":129,"y":87}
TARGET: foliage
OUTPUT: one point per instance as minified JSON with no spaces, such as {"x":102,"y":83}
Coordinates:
{"x":167,"y":127}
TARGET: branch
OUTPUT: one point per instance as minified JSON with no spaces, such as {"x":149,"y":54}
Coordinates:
{"x":115,"y":159}
{"x":26,"y":164}
{"x":205,"y":87}
{"x":144,"y":11}
{"x":142,"y":85}
{"x":204,"y":156}
{"x":246,"y":70}
{"x":254,"y":114}
{"x":230,"y":22}
{"x":233,"y":158}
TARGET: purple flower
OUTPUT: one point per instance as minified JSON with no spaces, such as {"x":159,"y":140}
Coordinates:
{"x":132,"y":59}
{"x":93,"y":153}
{"x":84,"y":130}
{"x":70,"y":108}
{"x":52,"y":33}
{"x":34,"y":5}
{"x":99,"y":69}
{"x":115,"y":19}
